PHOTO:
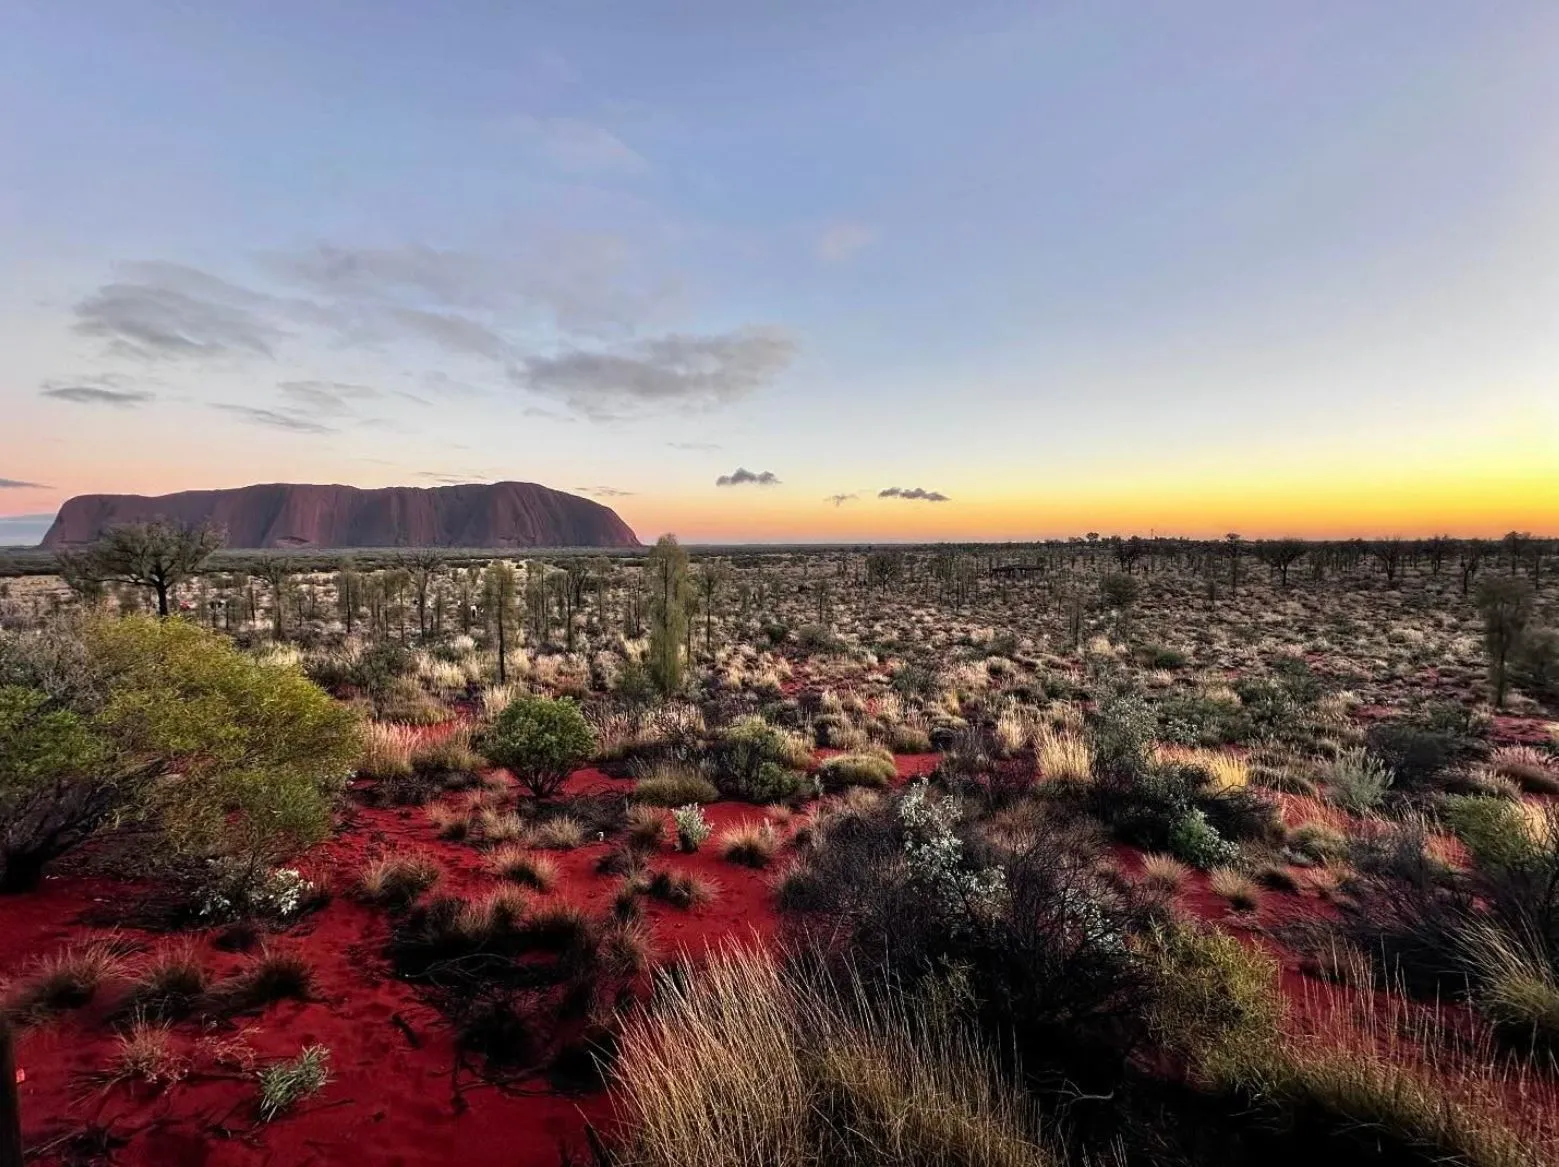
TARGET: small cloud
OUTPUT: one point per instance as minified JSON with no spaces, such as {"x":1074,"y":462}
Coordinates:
{"x":745,"y":477}
{"x":444,"y":478}
{"x":275,"y":419}
{"x":17,"y":484}
{"x":840,"y":241}
{"x":702,"y":447}
{"x":604,"y":491}
{"x":96,"y":395}
{"x":579,"y":146}
{"x":914,"y":494}
{"x":840,"y":499}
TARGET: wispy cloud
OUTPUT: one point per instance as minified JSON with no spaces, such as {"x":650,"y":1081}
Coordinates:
{"x":689,"y":371}
{"x":275,"y":419}
{"x":840,"y":241}
{"x":701,"y":447}
{"x":578,"y":146}
{"x":840,"y":499}
{"x":604,"y":492}
{"x":18,"y":484}
{"x":914,"y":494}
{"x":745,"y":477}
{"x":83,"y":393}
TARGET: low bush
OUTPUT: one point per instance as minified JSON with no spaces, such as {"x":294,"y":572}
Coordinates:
{"x":863,"y":769}
{"x":692,"y":830}
{"x":673,"y":784}
{"x":540,"y":741}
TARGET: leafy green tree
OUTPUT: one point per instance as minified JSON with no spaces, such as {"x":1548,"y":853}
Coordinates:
{"x":228,"y":756}
{"x":540,"y":741}
{"x":668,"y":586}
{"x":158,"y":555}
{"x":1506,"y":606}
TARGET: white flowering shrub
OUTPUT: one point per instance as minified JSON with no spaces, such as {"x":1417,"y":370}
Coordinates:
{"x":692,"y":830}
{"x":232,"y":893}
{"x":935,"y":855}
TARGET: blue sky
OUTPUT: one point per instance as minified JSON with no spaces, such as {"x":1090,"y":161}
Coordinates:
{"x":1071,"y":266}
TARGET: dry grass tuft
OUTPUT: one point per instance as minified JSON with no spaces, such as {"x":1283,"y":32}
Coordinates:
{"x":744,"y":1064}
{"x":520,"y":866}
{"x":1242,"y":892}
{"x":1164,"y":872}
{"x":387,"y":750}
{"x":1063,"y":755}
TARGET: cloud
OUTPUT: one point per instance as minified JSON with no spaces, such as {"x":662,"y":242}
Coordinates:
{"x":840,"y":241}
{"x":703,"y":447}
{"x":578,"y":146}
{"x":96,"y":394}
{"x":744,"y":477}
{"x":275,"y":419}
{"x":681,"y":370}
{"x":840,"y":499}
{"x":17,"y":484}
{"x":325,"y":397}
{"x":175,"y":312}
{"x":914,"y":493}
{"x":604,"y":492}
{"x":23,"y":530}
{"x":444,"y":478}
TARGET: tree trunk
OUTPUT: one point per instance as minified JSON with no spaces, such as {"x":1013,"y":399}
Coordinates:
{"x":10,"y":1103}
{"x":162,"y":599}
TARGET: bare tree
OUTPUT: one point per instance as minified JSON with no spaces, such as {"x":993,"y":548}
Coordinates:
{"x":158,"y":555}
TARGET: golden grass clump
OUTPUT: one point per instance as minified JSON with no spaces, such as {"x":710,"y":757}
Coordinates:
{"x":751,"y":844}
{"x":562,"y":833}
{"x":1534,"y":771}
{"x":1164,"y":872}
{"x":387,"y":750}
{"x":1242,"y":892}
{"x":1225,"y":769}
{"x":396,"y":879}
{"x":744,"y":1064}
{"x":1063,"y":755}
{"x":63,"y":980}
{"x":520,"y":866}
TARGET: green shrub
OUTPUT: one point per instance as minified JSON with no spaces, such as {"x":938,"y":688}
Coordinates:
{"x":1356,"y":780}
{"x":692,"y":830}
{"x":672,"y":784}
{"x":1215,"y":1002}
{"x":1196,"y":841}
{"x":1535,"y":668}
{"x":540,"y":741}
{"x":758,"y":763}
{"x":1493,"y":830}
{"x":285,"y":1084}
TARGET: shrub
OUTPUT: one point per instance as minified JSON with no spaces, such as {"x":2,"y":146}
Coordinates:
{"x":396,"y":880}
{"x":1356,"y":780}
{"x":646,"y":828}
{"x":1535,"y":771}
{"x":867,"y":769}
{"x":909,"y":739}
{"x":1197,"y":842}
{"x":228,"y":755}
{"x":1414,"y":753}
{"x":1215,"y":1004}
{"x":1316,"y":843}
{"x":758,"y":763}
{"x":286,"y":1083}
{"x":540,"y":741}
{"x":692,"y":830}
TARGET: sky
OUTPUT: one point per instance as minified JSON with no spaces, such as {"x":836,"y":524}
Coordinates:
{"x":793,"y":271}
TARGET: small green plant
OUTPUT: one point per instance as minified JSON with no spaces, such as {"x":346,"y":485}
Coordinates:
{"x":285,"y":1084}
{"x":1196,"y":841}
{"x":692,"y":830}
{"x":1358,"y":781}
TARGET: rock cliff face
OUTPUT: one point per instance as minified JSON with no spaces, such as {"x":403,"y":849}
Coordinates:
{"x":503,"y":514}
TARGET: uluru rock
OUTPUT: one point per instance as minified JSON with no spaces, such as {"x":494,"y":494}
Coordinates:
{"x":282,"y":514}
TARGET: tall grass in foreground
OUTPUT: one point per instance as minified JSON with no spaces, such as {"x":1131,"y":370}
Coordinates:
{"x":745,"y":1065}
